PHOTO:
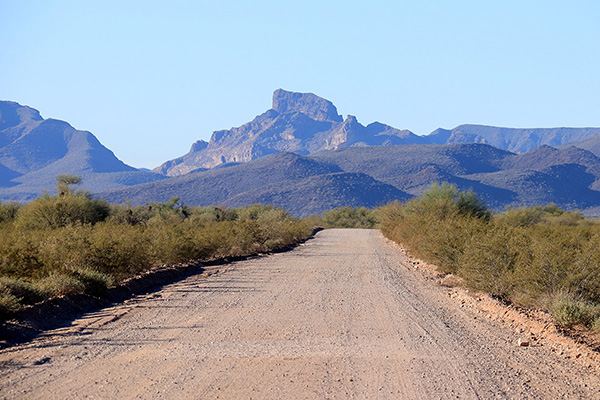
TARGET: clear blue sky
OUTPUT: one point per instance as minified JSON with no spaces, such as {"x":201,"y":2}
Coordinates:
{"x":149,"y":78}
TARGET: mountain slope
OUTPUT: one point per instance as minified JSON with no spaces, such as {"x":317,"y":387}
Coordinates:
{"x":317,"y":194}
{"x":304,"y":123}
{"x":591,"y":144}
{"x":370,"y":176}
{"x":33,"y":151}
{"x":569,"y":177}
{"x":300,"y":184}
{"x":512,"y":139}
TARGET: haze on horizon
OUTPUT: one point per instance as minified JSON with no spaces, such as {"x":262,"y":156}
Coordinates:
{"x":150,"y":78}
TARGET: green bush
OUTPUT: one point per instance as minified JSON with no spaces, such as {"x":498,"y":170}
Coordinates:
{"x":569,"y":312}
{"x":9,"y":211}
{"x":445,"y":200}
{"x":95,"y":283}
{"x":9,"y":304}
{"x":46,"y":253}
{"x":65,"y":208}
{"x":492,"y":260}
{"x":523,"y":256}
{"x":58,"y":211}
{"x":60,"y":284}
{"x":21,"y":289}
{"x":349,"y":217}
{"x":549,"y":214}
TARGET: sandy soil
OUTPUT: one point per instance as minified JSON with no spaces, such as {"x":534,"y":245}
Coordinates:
{"x":346,"y":315}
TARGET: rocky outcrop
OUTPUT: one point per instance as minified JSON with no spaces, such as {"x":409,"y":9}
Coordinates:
{"x":305,"y":123}
{"x":302,"y":123}
{"x":313,"y":106}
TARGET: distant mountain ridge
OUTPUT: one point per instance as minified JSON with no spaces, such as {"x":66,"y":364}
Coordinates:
{"x":33,"y":151}
{"x":305,"y":123}
{"x":304,"y":156}
{"x":302,"y":123}
{"x":513,"y":139}
{"x":300,"y":184}
{"x":371,"y":176}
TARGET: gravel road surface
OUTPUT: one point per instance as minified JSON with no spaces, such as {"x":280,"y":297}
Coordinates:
{"x":342,"y":316}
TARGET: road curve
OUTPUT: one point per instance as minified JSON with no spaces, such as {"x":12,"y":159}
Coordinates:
{"x":342,"y":316}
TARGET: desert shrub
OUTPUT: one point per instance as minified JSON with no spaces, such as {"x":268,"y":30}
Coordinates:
{"x":554,"y":252}
{"x":117,"y":250}
{"x":62,"y":249}
{"x":492,"y":260}
{"x":549,"y":214}
{"x":520,"y":217}
{"x":9,"y":304}
{"x":171,"y":211}
{"x":65,"y":208}
{"x":40,"y":260}
{"x":95,"y":282}
{"x":127,"y":214}
{"x":8,"y":211}
{"x":19,"y":253}
{"x":21,"y":289}
{"x":349,"y":217}
{"x":568,"y":312}
{"x":202,"y":215}
{"x":445,"y":200}
{"x":567,"y":218}
{"x":60,"y":284}
{"x":172,"y":243}
{"x":446,"y":242}
{"x":58,"y":211}
{"x":584,"y":277}
{"x":524,"y":256}
{"x":471,"y":205}
{"x":437,"y":226}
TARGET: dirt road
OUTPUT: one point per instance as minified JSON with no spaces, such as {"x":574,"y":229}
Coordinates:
{"x":342,"y":316}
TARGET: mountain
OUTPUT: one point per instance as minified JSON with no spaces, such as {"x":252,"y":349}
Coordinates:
{"x":413,"y":168}
{"x":300,"y":184}
{"x":304,"y":156}
{"x":302,"y":123}
{"x":33,"y":151}
{"x":591,"y":143}
{"x":373,"y":175}
{"x":515,"y":140}
{"x":305,"y":124}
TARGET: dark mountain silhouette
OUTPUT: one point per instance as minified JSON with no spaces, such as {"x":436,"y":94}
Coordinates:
{"x":591,"y":143}
{"x":33,"y":151}
{"x":368,"y":176}
{"x":301,"y":185}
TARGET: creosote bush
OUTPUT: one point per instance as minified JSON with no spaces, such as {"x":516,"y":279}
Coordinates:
{"x":67,"y":207}
{"x":349,"y":217}
{"x":524,"y":255}
{"x":71,"y":243}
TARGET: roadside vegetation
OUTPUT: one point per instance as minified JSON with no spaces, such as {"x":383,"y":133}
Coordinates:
{"x":541,"y":257}
{"x":71,"y":243}
{"x":348,"y":217}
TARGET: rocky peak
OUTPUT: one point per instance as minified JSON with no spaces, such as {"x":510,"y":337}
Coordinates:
{"x":307,"y":103}
{"x":351,"y":120}
{"x":199,"y":145}
{"x":13,"y":114}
